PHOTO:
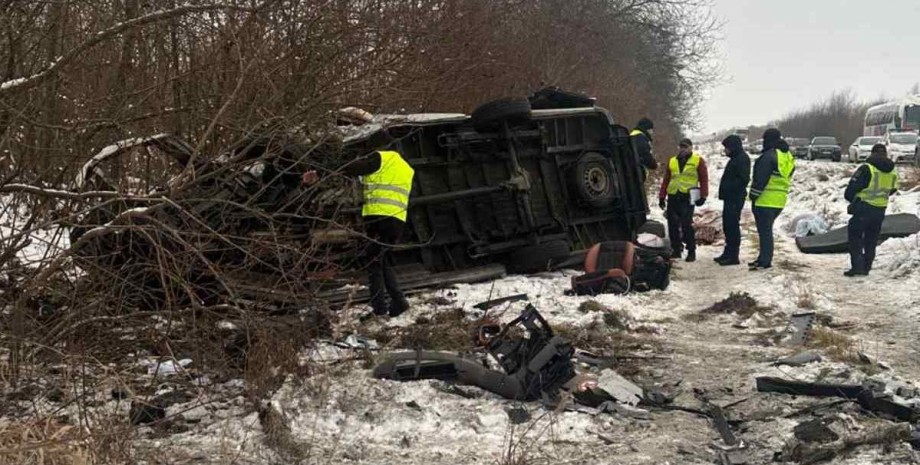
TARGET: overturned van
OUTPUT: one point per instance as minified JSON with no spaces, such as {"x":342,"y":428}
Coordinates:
{"x":526,"y":187}
{"x":518,"y":186}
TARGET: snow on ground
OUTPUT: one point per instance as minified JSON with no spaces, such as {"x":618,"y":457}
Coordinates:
{"x":42,"y":242}
{"x":343,"y":415}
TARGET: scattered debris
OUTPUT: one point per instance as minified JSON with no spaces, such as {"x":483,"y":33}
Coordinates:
{"x":354,"y":341}
{"x":801,"y":324}
{"x":504,"y":300}
{"x":142,"y":413}
{"x":518,"y":415}
{"x":168,"y":367}
{"x":799,"y":359}
{"x":737,"y":303}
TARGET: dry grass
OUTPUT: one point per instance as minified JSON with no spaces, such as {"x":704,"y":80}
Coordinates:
{"x":837,"y":346}
{"x":789,"y":265}
{"x":911,"y":179}
{"x":806,"y":300}
{"x":737,"y":303}
{"x":446,"y":330}
{"x":51,"y":442}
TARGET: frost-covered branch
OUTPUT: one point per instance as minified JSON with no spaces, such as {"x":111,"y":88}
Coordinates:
{"x":23,"y":83}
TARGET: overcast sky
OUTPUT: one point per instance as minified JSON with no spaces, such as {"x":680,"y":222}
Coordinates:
{"x":780,"y":55}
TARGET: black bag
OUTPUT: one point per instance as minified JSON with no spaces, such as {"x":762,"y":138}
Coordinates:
{"x":652,"y":270}
{"x":612,"y":281}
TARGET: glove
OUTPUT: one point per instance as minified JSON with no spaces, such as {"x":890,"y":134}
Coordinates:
{"x":699,"y":202}
{"x":662,"y":203}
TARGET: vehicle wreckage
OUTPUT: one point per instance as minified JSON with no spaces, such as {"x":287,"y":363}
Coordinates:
{"x":518,"y":186}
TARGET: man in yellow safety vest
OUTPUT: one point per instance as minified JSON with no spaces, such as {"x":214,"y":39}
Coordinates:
{"x":769,"y":190}
{"x":386,"y":180}
{"x":868,"y":192}
{"x":686,"y":173}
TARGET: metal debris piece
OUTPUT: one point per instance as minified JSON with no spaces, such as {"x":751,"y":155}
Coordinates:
{"x":802,"y":324}
{"x":359,"y":342}
{"x":799,"y":359}
{"x":620,"y":389}
{"x":504,"y":300}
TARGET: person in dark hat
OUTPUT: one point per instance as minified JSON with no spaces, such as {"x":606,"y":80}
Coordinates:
{"x":769,"y":190}
{"x":686,"y":172}
{"x":643,"y":137}
{"x":733,"y":192}
{"x":868,"y":192}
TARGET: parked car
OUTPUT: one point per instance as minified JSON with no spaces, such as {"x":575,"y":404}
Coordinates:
{"x":902,"y":146}
{"x":861,"y":148}
{"x":824,"y":147}
{"x":798,"y":146}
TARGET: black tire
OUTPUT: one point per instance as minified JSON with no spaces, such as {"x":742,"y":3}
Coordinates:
{"x":537,"y":258}
{"x":595,"y":180}
{"x":836,"y":158}
{"x":487,"y":117}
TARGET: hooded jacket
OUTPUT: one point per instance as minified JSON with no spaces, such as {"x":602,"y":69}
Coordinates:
{"x":737,"y":174}
{"x":644,"y":147}
{"x":766,"y":165}
{"x":862,"y":177}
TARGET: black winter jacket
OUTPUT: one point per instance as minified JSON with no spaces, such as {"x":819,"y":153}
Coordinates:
{"x":644,"y":147}
{"x":737,"y":174}
{"x":863,"y":176}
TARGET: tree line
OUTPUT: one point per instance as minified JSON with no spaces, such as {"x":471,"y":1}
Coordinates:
{"x":78,"y":75}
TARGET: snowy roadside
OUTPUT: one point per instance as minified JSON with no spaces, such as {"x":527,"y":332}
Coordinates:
{"x":341,"y":414}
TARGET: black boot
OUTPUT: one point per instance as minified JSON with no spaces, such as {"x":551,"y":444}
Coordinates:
{"x":691,"y":256}
{"x":399,"y":306}
{"x":853,"y":272}
{"x":676,"y":253}
{"x":729,"y":261}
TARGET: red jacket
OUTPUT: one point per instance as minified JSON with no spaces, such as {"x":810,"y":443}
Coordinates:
{"x":702,"y":172}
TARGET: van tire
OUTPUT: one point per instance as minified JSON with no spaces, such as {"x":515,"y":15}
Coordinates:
{"x":595,"y":180}
{"x":487,"y":117}
{"x":538,"y":258}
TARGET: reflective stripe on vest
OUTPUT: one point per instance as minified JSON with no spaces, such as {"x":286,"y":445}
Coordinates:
{"x":880,"y":186}
{"x":683,"y":181}
{"x":386,"y":191}
{"x":636,"y":132}
{"x":777,"y":190}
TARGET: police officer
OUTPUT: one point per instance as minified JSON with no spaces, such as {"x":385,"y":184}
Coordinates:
{"x":686,"y":172}
{"x":387,"y":182}
{"x":769,"y":191}
{"x":868,"y":193}
{"x":643,"y":137}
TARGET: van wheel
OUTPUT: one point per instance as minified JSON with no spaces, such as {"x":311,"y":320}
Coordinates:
{"x":595,"y":180}
{"x":487,"y":117}
{"x":537,"y":258}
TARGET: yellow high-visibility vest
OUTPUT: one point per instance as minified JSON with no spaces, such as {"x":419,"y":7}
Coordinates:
{"x":880,"y":187}
{"x":777,"y":191}
{"x":683,"y":181}
{"x":386,"y":191}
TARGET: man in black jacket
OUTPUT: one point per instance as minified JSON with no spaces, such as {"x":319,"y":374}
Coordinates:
{"x":733,"y":192}
{"x":643,"y":136}
{"x":868,"y":192}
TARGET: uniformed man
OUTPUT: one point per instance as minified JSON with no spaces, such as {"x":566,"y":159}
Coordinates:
{"x":868,"y":192}
{"x":387,"y":182}
{"x":769,"y":191}
{"x":643,"y":137}
{"x":686,"y":172}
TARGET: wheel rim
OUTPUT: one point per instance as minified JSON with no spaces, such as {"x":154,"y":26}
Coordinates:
{"x":596,"y":180}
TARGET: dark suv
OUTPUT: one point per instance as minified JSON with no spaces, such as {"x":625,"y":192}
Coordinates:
{"x":824,"y":147}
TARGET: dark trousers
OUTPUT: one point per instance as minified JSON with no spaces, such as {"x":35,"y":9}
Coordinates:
{"x":862,"y":234}
{"x":680,"y":222}
{"x":384,"y":231}
{"x":764,"y":217}
{"x":731,"y":225}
